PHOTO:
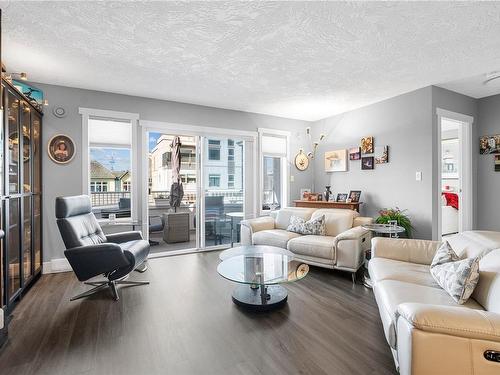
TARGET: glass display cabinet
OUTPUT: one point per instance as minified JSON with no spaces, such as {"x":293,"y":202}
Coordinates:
{"x":20,"y":195}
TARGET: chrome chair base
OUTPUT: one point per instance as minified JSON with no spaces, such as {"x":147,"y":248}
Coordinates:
{"x":100,"y":285}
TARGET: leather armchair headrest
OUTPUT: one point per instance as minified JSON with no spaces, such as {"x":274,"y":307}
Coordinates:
{"x":72,"y":206}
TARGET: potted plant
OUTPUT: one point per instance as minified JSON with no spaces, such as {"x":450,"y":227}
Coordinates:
{"x":403,"y":220}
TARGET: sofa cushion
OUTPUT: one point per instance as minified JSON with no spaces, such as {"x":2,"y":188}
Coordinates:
{"x":273,"y":237}
{"x":283,"y":216}
{"x":457,"y":277}
{"x":336,"y":220}
{"x":471,"y":244}
{"x":390,"y":293}
{"x":315,"y":246}
{"x":390,"y":269}
{"x":313,"y":226}
{"x":487,"y":291}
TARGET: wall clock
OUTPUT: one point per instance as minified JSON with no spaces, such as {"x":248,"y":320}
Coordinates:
{"x":301,"y":161}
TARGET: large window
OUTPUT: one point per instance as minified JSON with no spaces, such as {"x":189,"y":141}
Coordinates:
{"x":213,"y":149}
{"x":274,"y":168}
{"x":110,"y":167}
{"x":213,"y":180}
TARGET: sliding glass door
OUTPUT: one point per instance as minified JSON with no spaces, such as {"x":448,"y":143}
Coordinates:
{"x":223,"y":189}
{"x":215,"y":174}
{"x":172,"y":223}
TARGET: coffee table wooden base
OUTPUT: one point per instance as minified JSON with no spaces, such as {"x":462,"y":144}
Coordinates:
{"x":260,"y":297}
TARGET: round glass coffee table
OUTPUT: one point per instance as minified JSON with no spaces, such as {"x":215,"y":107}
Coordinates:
{"x":260,"y":275}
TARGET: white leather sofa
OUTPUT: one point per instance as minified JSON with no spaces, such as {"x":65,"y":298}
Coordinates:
{"x":342,"y":248}
{"x":427,"y":331}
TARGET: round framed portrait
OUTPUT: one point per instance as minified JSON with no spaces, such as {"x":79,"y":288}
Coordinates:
{"x":61,"y":149}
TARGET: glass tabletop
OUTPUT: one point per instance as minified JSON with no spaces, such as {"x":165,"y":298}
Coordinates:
{"x":384,"y":228}
{"x":262,"y":269}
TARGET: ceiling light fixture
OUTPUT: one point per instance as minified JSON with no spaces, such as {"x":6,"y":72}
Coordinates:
{"x":490,"y":77}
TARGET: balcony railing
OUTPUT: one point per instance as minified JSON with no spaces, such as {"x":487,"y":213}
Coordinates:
{"x":108,"y":198}
{"x":162,"y":198}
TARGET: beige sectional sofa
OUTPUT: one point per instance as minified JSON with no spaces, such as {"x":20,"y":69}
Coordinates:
{"x":427,"y":331}
{"x":342,"y":247}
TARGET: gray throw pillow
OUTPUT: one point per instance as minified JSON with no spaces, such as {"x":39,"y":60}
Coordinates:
{"x":313,"y":226}
{"x":457,"y":276}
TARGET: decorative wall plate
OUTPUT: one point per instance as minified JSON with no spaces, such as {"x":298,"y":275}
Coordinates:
{"x":61,"y":149}
{"x":301,"y":161}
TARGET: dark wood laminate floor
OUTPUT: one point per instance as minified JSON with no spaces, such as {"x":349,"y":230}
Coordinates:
{"x":185,"y":323}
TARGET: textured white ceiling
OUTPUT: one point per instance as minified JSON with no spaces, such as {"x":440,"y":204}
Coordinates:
{"x":474,"y":86}
{"x":305,"y":60}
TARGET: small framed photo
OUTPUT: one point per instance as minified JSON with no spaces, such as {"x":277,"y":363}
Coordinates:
{"x":304,"y":194}
{"x":367,"y":162}
{"x":313,"y":197}
{"x":320,"y":196}
{"x":497,"y":163}
{"x":354,"y":196}
{"x":341,"y":197}
{"x":61,"y":149}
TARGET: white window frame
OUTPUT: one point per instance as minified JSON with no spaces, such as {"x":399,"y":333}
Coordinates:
{"x":285,"y":167}
{"x":102,"y":114}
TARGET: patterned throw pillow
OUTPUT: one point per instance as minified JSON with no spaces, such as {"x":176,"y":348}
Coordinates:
{"x":457,"y":277}
{"x":313,"y":226}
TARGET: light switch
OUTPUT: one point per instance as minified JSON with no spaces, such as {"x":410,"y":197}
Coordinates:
{"x":418,"y":176}
{"x":292,"y":178}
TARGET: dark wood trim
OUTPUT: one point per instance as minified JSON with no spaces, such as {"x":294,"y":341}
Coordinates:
{"x":330,"y":204}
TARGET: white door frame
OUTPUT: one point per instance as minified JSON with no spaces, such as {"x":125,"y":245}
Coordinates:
{"x":197,"y":131}
{"x":466,"y":201}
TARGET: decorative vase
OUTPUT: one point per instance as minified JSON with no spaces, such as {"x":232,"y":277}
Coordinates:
{"x":328,"y":193}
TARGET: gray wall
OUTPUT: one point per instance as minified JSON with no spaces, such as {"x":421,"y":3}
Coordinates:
{"x":67,"y":179}
{"x":408,"y":125}
{"x":404,"y":124}
{"x":488,"y":207}
{"x":452,"y":101}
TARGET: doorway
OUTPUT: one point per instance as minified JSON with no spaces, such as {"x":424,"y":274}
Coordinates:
{"x":216,"y":170}
{"x":455,"y":202}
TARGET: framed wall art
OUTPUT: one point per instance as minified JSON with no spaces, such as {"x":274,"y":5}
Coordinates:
{"x":367,"y":145}
{"x":367,"y":162}
{"x":355,"y":153}
{"x":489,"y":144}
{"x":381,"y":154}
{"x":61,"y":149}
{"x":336,"y":161}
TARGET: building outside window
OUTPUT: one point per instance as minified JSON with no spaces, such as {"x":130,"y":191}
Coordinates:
{"x":213,"y":180}
{"x":230,"y":181}
{"x":230,"y":154}
{"x":166,"y":157}
{"x":98,"y":186}
{"x":213,"y":149}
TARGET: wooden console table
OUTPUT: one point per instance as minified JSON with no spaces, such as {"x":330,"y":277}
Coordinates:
{"x":330,"y":204}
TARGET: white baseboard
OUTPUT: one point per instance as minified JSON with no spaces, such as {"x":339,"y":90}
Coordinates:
{"x":56,"y":265}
